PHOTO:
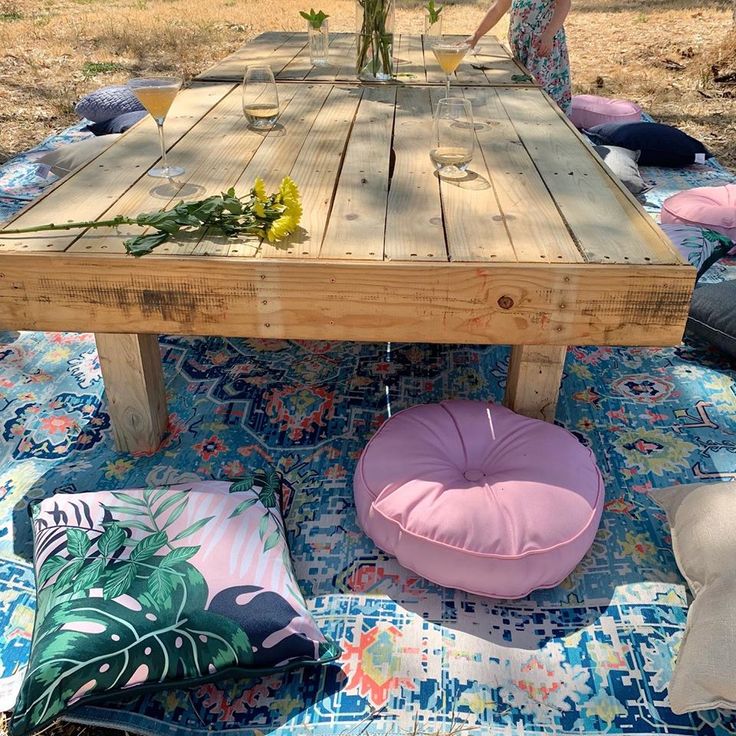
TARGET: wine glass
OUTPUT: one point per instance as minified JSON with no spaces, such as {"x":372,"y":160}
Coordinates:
{"x":260,"y":97}
{"x":449,"y":54}
{"x":453,"y":137}
{"x":156,"y":94}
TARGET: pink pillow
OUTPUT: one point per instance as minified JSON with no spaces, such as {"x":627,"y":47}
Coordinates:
{"x":713,"y":208}
{"x":590,"y":110}
{"x":472,"y":496}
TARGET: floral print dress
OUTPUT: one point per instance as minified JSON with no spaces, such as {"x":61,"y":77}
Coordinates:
{"x":528,"y":20}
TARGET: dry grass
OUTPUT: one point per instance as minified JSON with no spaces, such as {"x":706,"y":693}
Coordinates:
{"x":52,"y":51}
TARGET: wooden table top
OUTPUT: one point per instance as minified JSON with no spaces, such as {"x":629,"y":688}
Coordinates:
{"x":540,"y":245}
{"x":288,"y":56}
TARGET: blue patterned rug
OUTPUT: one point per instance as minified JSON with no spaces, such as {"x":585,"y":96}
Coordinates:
{"x":592,"y":655}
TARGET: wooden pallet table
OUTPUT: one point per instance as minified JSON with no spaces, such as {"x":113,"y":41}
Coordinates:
{"x":539,"y":248}
{"x":288,"y":56}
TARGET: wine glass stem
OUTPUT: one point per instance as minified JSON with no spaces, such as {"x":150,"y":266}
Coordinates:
{"x":164,"y":161}
{"x":448,"y":85}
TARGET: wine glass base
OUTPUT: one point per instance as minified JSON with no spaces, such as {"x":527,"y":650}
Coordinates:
{"x":168,"y":172}
{"x":451,"y":172}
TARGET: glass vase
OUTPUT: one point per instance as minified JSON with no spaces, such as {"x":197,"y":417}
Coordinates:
{"x":375,"y":40}
{"x":319,"y":41}
{"x":432,"y":30}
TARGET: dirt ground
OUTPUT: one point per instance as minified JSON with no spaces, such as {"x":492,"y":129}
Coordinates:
{"x":665,"y":54}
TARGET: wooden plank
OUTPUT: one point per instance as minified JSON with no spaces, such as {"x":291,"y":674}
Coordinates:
{"x":358,"y":217}
{"x":603,"y":221}
{"x":135,"y":391}
{"x":414,"y":230}
{"x":410,"y":65}
{"x":298,"y":68}
{"x":276,"y":54}
{"x":474,"y":224}
{"x":655,"y":229}
{"x":315,"y":170}
{"x":219,"y":134}
{"x":536,"y":228}
{"x":533,"y":383}
{"x":534,"y":304}
{"x":89,"y":192}
{"x":260,"y":47}
{"x":499,"y":68}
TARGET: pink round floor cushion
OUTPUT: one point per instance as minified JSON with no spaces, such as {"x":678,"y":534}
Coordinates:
{"x":470,"y":495}
{"x":590,"y":110}
{"x":713,"y":208}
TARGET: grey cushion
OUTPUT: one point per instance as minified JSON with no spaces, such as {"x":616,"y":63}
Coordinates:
{"x":622,"y":163}
{"x":107,"y":103}
{"x":713,"y":316}
{"x":73,"y":156}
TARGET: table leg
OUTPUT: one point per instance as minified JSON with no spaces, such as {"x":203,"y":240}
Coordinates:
{"x":533,"y":384}
{"x":134,"y":385}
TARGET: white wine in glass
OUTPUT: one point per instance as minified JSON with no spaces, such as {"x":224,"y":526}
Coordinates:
{"x":156,"y":94}
{"x":453,"y":137}
{"x":449,"y":55}
{"x":260,"y":97}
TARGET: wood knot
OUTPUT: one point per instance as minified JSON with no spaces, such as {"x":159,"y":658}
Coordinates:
{"x":505,"y":302}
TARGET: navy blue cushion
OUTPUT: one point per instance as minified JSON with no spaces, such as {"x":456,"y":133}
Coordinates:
{"x":117,"y":125}
{"x":660,"y":145}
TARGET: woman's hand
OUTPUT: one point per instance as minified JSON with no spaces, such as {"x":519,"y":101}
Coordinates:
{"x":471,"y":41}
{"x":544,"y":44}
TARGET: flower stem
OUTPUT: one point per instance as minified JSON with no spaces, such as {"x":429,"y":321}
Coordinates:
{"x":114,"y":222}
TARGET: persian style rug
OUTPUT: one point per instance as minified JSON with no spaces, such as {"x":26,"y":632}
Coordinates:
{"x":593,"y":655}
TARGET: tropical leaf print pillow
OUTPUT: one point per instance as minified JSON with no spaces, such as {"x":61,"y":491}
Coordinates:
{"x":157,"y":587}
{"x":699,"y":247}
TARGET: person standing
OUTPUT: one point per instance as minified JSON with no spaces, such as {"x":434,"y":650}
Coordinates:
{"x":537,"y":39}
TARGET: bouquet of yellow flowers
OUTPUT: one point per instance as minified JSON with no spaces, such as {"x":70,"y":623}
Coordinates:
{"x":271,"y":216}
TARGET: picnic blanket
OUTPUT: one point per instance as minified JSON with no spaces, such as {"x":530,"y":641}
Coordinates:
{"x":593,"y":655}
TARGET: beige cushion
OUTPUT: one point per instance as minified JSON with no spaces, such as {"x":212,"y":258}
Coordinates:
{"x":702,"y":518}
{"x":72,"y":156}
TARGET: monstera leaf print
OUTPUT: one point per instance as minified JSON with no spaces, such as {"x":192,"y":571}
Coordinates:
{"x":99,"y":645}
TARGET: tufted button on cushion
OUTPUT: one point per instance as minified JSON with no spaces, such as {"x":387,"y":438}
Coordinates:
{"x":470,"y":495}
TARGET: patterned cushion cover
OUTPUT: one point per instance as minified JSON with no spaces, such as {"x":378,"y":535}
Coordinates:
{"x":699,"y":247}
{"x":701,"y":518}
{"x":107,"y":103}
{"x":151,"y":588}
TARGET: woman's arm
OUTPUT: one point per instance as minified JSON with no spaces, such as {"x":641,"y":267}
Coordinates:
{"x":544,"y":44}
{"x":562,"y":8}
{"x":494,"y":14}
